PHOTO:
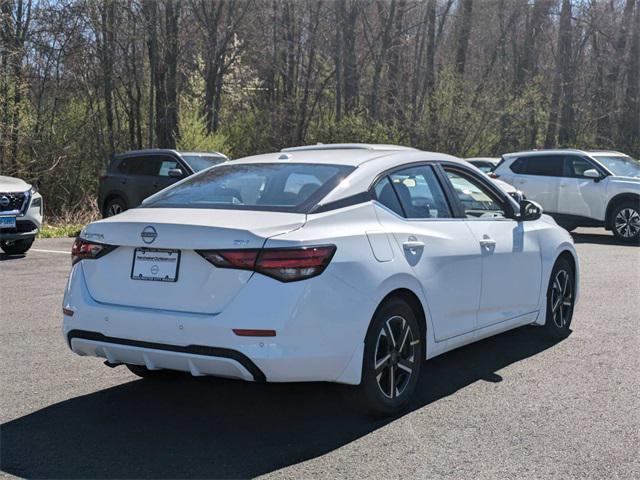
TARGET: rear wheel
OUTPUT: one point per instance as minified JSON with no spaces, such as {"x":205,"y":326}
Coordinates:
{"x":625,"y":222}
{"x":114,"y":206}
{"x":16,"y":247}
{"x":560,"y":299}
{"x":392,"y":358}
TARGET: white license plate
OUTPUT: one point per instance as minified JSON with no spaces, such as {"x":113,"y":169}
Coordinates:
{"x":155,"y":265}
{"x":7,"y":222}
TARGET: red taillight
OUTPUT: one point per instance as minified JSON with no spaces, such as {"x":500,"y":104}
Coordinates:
{"x":83,"y":249}
{"x":284,"y":264}
{"x":493,"y":175}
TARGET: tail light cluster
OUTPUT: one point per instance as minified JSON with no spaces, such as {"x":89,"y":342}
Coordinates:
{"x":283,"y":264}
{"x":493,"y":175}
{"x":83,"y":249}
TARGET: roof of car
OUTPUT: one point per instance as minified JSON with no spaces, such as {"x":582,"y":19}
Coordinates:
{"x":606,"y":152}
{"x":483,"y":159}
{"x":544,"y":152}
{"x":151,"y":151}
{"x":347,"y":146}
{"x":349,"y":156}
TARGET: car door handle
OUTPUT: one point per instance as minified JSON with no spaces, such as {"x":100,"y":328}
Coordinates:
{"x":412,"y":246}
{"x":487,"y":242}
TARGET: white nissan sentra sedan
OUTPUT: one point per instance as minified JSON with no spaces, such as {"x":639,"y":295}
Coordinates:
{"x":339,"y":263}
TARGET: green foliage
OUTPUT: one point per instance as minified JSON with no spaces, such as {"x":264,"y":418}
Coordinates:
{"x":193,"y":134}
{"x":192,"y":123}
{"x":58,"y":231}
{"x":355,"y":129}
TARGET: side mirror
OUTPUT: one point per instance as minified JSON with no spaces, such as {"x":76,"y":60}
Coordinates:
{"x":175,"y":173}
{"x":592,"y":173}
{"x":529,"y":210}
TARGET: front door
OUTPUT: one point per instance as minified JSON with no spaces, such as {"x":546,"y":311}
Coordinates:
{"x":511,"y":261}
{"x":579,"y":195}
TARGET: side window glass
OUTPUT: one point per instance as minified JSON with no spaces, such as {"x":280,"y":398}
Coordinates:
{"x":476,"y":199}
{"x":420,"y":193}
{"x":518,"y":166}
{"x":387,"y":197}
{"x":167,"y":165}
{"x":546,"y":166}
{"x":576,"y":166}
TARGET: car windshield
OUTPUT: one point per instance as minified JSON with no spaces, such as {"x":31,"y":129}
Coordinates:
{"x":620,"y":165}
{"x":200,"y":162}
{"x":279,"y":187}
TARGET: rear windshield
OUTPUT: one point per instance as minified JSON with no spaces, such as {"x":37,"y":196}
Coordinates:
{"x":279,"y":187}
{"x":200,"y":162}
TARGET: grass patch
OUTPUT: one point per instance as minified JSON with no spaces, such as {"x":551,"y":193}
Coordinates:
{"x":58,"y":231}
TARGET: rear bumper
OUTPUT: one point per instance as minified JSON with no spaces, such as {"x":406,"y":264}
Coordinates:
{"x":316,"y":340}
{"x":197,"y":359}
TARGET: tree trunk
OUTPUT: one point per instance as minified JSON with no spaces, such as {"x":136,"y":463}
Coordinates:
{"x":107,"y":23}
{"x":566,"y":128}
{"x":463,"y":36}
{"x":350,"y":66}
{"x":172,"y":12}
{"x":630,"y":127}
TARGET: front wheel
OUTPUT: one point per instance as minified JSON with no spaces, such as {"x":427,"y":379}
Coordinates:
{"x":16,"y":247}
{"x":625,"y":222}
{"x":560,"y":300}
{"x":392,"y":358}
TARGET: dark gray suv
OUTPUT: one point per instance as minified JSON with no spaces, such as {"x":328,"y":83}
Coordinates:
{"x":133,"y":176}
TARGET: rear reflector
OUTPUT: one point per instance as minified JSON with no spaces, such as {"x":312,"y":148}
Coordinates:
{"x":242,"y":332}
{"x":283,"y":264}
{"x":68,"y":312}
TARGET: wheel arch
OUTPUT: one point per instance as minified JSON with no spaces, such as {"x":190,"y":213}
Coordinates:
{"x":110,"y":196}
{"x":410,"y":297}
{"x":614,"y":202}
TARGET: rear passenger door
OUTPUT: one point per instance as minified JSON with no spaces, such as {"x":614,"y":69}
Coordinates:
{"x":441,"y":250}
{"x":539,"y":178}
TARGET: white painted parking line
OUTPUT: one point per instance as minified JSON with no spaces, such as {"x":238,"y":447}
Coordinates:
{"x":48,"y":251}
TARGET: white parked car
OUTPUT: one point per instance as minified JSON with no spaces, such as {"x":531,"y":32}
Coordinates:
{"x":580,"y":188}
{"x":347,"y":264}
{"x":486,"y":164}
{"x":20,"y":215}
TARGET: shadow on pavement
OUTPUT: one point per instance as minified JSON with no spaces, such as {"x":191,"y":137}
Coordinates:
{"x":213,"y":428}
{"x":600,"y":239}
{"x":4,"y":256}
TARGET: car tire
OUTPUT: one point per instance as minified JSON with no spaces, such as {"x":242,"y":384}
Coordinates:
{"x":114,"y":206}
{"x":144,"y":372}
{"x":390,"y":369}
{"x":16,"y":247}
{"x":625,"y":222}
{"x":560,"y":300}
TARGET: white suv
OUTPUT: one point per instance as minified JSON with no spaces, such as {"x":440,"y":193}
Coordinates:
{"x":580,"y":188}
{"x":20,"y":215}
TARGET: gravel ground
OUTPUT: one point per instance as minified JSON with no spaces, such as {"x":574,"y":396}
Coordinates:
{"x":513,"y":406}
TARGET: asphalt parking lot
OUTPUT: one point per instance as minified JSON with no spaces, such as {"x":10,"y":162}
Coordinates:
{"x":513,"y":406}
